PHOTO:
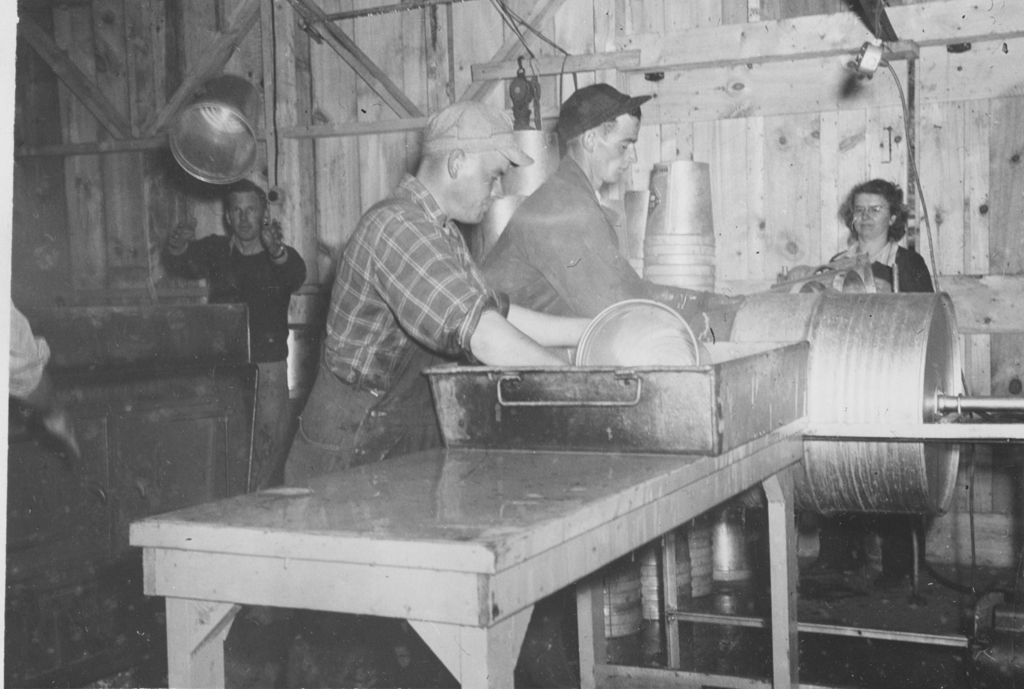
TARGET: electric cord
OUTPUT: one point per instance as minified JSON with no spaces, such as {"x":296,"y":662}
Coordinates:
{"x":513,"y":20}
{"x":912,"y":158}
{"x":565,"y":53}
{"x":273,"y":88}
{"x":506,"y":17}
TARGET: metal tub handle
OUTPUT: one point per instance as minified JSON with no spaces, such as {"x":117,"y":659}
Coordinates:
{"x":623,"y":376}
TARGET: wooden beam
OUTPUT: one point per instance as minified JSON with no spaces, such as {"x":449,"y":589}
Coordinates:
{"x":212,"y":62}
{"x":79,"y":84}
{"x":872,"y":13}
{"x":408,"y":124}
{"x":404,"y":6}
{"x":293,"y":160}
{"x":986,"y":303}
{"x":269,"y":48}
{"x":541,"y":11}
{"x":547,"y":65}
{"x":341,"y":129}
{"x":345,"y":47}
{"x":928,"y":24}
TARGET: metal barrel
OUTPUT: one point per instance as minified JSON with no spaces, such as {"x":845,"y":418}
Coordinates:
{"x":874,"y":358}
{"x":775,"y":317}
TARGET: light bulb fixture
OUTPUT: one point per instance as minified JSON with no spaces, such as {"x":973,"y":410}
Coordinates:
{"x":867,"y":60}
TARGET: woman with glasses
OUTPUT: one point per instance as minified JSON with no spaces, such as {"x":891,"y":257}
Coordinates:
{"x":880,"y":545}
{"x":876,"y":216}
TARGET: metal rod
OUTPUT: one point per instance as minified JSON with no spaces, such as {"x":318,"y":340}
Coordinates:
{"x":953,"y":640}
{"x":915,"y":433}
{"x":945,"y":404}
{"x":385,"y":9}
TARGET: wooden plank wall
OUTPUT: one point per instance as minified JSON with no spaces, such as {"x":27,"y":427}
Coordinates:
{"x":783,"y":145}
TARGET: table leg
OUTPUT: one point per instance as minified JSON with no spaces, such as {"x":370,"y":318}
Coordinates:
{"x":590,"y":625}
{"x":478,"y":656}
{"x":670,"y":597}
{"x":778,"y":490}
{"x":195,"y":641}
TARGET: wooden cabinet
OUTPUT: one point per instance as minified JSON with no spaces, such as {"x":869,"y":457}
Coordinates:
{"x":163,"y":422}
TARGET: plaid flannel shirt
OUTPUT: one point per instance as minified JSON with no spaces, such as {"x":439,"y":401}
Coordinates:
{"x":405,"y":277}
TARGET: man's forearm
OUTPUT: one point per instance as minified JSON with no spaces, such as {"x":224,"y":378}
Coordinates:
{"x":548,"y":330}
{"x":496,"y":342}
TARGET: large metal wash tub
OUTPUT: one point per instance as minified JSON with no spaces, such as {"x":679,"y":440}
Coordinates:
{"x":746,"y":391}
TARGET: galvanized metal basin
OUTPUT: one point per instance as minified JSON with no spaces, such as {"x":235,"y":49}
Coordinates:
{"x":874,"y":358}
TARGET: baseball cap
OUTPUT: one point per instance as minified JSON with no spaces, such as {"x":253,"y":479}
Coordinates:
{"x":593,"y":105}
{"x":473,"y":127}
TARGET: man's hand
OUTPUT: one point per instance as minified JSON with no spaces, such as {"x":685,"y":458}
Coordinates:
{"x":273,"y":239}
{"x":709,"y":314}
{"x":183,"y":233}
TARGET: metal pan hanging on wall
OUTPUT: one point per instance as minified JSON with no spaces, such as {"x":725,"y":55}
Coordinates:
{"x":213,"y":138}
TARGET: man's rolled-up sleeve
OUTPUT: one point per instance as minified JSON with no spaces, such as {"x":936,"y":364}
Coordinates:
{"x":434,"y":297}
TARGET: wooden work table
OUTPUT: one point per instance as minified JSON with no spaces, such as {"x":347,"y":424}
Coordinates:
{"x":460,"y":543}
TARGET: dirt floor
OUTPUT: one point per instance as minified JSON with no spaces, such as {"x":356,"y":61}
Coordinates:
{"x":277,"y":648}
{"x":326,"y":650}
{"x":850,"y":600}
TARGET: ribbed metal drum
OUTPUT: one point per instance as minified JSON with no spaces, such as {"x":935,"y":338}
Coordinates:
{"x":775,"y":317}
{"x":874,"y":358}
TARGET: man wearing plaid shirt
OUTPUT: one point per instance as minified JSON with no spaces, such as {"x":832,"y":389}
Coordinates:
{"x":408,"y":295}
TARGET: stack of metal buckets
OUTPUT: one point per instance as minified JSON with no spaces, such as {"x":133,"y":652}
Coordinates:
{"x":679,"y":241}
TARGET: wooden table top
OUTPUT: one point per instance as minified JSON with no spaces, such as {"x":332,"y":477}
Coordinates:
{"x":476,"y":511}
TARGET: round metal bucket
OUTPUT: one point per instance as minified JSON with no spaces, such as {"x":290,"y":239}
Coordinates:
{"x":874,"y":358}
{"x":680,"y":199}
{"x":699,"y":548}
{"x":650,"y":582}
{"x":213,"y":138}
{"x":638,"y":332}
{"x":623,"y":613}
{"x":303,"y":358}
{"x":729,"y":546}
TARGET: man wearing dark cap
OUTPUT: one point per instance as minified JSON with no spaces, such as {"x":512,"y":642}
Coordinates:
{"x":407,"y":295}
{"x":559,"y":252}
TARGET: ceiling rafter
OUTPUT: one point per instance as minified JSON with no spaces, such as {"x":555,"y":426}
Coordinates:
{"x":211,"y":63}
{"x":540,"y":12}
{"x":872,"y":13}
{"x":316,"y":20}
{"x":74,"y":78}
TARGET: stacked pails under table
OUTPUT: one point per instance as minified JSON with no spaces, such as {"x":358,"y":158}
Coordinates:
{"x":694,"y":564}
{"x":679,"y":241}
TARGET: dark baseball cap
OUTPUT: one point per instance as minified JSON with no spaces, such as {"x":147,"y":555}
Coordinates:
{"x":593,"y":105}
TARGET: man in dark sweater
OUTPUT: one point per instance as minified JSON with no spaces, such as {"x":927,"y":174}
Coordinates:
{"x":250,"y":265}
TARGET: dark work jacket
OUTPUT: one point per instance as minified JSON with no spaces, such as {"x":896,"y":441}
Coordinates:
{"x":559,"y":252}
{"x":254,"y":280}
